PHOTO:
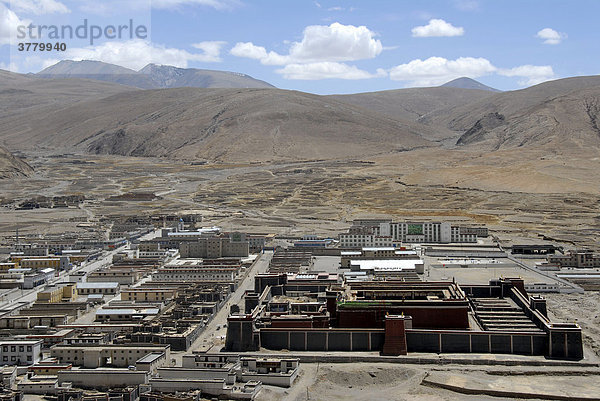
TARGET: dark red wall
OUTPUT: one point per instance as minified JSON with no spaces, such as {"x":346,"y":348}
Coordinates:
{"x":422,"y":318}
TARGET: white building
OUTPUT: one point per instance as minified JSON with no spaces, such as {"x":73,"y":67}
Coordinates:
{"x":223,"y":273}
{"x":386,"y":233}
{"x":365,"y":240}
{"x":20,"y":352}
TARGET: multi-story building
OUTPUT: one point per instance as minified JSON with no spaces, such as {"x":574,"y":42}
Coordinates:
{"x":214,"y":247}
{"x":120,"y":356}
{"x":20,"y":352}
{"x":365,"y":240}
{"x":386,"y":233}
{"x":376,"y":254}
{"x":217,"y":273}
{"x":579,"y":259}
{"x":32,"y":279}
{"x":256,"y":242}
{"x":58,"y":294}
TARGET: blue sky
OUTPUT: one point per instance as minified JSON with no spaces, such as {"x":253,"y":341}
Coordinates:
{"x":327,"y":46}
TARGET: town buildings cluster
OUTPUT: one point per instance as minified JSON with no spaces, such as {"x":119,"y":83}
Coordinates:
{"x":126,"y":315}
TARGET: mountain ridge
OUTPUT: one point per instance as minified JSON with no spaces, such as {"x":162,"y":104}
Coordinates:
{"x":11,"y":166}
{"x":152,"y":76}
{"x":468,"y":83}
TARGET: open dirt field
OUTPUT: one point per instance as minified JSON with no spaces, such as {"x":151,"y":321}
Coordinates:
{"x":320,"y":196}
{"x":385,"y":381}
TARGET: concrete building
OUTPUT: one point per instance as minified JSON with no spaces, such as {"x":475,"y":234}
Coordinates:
{"x":388,"y":266}
{"x":41,"y":384}
{"x":9,"y":375}
{"x":20,"y":352}
{"x":365,"y":240}
{"x":213,"y":274}
{"x":375,"y":254}
{"x":104,"y":288}
{"x":103,"y":378}
{"x":231,"y":368}
{"x":429,"y":232}
{"x":65,"y":293}
{"x":152,"y":362}
{"x":385,"y":233}
{"x":32,"y":279}
{"x":89,"y":339}
{"x":115,"y":355}
{"x":148,"y":294}
{"x":48,"y":367}
{"x":57,"y":263}
{"x":578,"y":259}
{"x":271,"y":371}
{"x":214,"y":247}
{"x":121,"y":276}
{"x":131,"y":314}
{"x":256,"y":243}
{"x":29,"y":322}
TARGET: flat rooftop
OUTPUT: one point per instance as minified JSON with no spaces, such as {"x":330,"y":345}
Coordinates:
{"x":97,"y":285}
{"x":386,"y":264}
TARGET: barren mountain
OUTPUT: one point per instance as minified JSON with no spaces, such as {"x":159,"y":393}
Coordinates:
{"x":24,"y":95}
{"x":11,"y":166}
{"x":218,"y":124}
{"x":152,"y":76}
{"x":468,"y":83}
{"x":165,"y":76}
{"x":414,"y":103}
{"x":463,"y":117}
{"x":566,"y":124}
{"x":99,"y":71}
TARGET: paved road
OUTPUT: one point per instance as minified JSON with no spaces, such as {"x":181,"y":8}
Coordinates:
{"x":210,"y":334}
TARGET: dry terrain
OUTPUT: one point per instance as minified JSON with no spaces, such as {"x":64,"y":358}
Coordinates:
{"x":323,"y":196}
{"x":524,"y":163}
{"x":11,"y":166}
{"x":387,"y":381}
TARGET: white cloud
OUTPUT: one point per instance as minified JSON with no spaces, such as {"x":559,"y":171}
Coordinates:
{"x":250,"y":50}
{"x":550,"y":36}
{"x":438,"y":70}
{"x":38,"y":7}
{"x":211,"y":49}
{"x":9,"y":21}
{"x":134,"y":54}
{"x":437,"y":27}
{"x":321,"y":53}
{"x":531,"y":74}
{"x":326,"y":70}
{"x":319,"y":43}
